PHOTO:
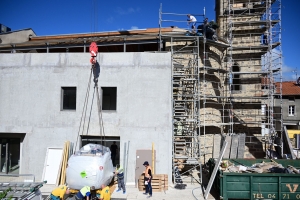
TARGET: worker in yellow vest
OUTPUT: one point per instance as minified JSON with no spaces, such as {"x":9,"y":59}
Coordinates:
{"x":120,"y":175}
{"x":59,"y":192}
{"x":105,"y":193}
{"x":84,"y":192}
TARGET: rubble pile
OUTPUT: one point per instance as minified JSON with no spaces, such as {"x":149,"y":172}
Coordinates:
{"x":263,"y":167}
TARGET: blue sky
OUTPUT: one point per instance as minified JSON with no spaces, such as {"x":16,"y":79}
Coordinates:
{"x":52,"y":17}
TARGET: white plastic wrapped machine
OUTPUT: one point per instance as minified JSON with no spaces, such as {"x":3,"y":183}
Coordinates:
{"x":90,"y":166}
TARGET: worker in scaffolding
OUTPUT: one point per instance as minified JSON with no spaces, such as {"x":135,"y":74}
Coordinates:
{"x":212,"y":26}
{"x":208,"y":29}
{"x":192,"y":20}
{"x":265,"y":38}
{"x":205,"y":25}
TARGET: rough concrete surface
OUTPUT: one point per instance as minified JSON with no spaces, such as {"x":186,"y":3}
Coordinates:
{"x":31,"y":96}
{"x":192,"y":191}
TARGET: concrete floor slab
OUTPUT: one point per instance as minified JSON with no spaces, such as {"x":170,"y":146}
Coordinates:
{"x":192,"y":191}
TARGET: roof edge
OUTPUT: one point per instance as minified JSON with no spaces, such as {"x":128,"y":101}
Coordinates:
{"x":103,"y":34}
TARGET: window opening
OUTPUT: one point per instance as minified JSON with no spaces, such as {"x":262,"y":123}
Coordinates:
{"x":291,"y":98}
{"x":292,"y":110}
{"x":68,"y":98}
{"x":236,"y":78}
{"x":109,"y":98}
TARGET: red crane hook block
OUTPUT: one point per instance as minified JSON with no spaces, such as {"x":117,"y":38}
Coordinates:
{"x":93,"y":52}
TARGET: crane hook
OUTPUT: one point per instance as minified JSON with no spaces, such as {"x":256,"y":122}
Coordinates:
{"x":93,"y":51}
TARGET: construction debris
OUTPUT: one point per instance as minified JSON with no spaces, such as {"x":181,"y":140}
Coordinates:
{"x":263,"y":167}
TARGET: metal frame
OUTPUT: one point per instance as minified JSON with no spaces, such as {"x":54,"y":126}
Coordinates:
{"x":252,"y":18}
{"x":191,"y":109}
{"x":192,"y":102}
{"x":185,"y":82}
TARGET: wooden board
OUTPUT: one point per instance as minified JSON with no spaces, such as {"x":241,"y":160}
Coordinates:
{"x":159,"y":183}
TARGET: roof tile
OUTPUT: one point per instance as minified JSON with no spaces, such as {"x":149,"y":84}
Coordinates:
{"x":289,"y":88}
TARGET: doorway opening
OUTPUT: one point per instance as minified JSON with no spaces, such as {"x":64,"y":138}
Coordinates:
{"x":10,"y":151}
{"x":108,"y":141}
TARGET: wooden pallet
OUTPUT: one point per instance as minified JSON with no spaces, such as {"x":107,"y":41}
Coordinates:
{"x":159,"y":183}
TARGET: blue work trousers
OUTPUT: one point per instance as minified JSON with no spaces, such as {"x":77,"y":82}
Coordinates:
{"x":52,"y":197}
{"x":121,"y":184}
{"x":149,"y":188}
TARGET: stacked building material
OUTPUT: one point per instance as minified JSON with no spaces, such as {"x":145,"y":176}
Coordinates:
{"x":159,"y":183}
{"x":61,"y":180}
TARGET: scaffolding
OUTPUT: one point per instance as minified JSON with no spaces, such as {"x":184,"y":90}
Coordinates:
{"x":253,"y":30}
{"x":226,"y":90}
{"x":197,"y":84}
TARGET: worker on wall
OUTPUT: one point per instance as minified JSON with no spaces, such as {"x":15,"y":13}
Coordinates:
{"x":59,"y":192}
{"x":120,"y":176}
{"x":192,"y":20}
{"x":84,"y":192}
{"x":209,"y":29}
{"x":205,"y":25}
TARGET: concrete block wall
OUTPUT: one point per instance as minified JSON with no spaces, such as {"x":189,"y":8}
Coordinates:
{"x":255,"y":147}
{"x":207,"y":143}
{"x":210,"y":116}
{"x":30,"y":95}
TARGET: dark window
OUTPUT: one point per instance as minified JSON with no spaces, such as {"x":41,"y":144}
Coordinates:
{"x":109,"y":100}
{"x":236,"y":78}
{"x":291,"y":98}
{"x":68,"y":98}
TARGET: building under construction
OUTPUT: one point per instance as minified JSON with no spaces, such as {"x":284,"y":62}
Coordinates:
{"x":225,"y":90}
{"x":199,"y":91}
